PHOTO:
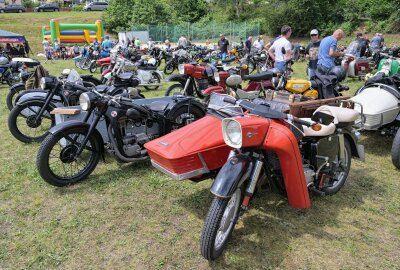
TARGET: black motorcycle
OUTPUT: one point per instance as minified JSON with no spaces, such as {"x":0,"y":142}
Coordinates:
{"x":179,"y":57}
{"x":31,"y":117}
{"x":10,"y":73}
{"x":72,"y":149}
{"x":16,"y":89}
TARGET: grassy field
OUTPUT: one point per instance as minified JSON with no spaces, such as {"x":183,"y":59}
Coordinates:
{"x":130,"y":216}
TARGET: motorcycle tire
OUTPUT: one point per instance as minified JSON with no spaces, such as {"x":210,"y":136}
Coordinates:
{"x":103,"y":68}
{"x":213,"y":240}
{"x":339,"y":184}
{"x":155,"y":77}
{"x":12,"y":94}
{"x":252,"y":67}
{"x":46,"y":166}
{"x":93,"y":67}
{"x":85,"y":65}
{"x":171,"y":90}
{"x":396,"y":150}
{"x":169,"y":69}
{"x":184,"y":113}
{"x":23,"y":114}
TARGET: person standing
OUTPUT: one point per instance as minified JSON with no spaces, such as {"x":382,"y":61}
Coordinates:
{"x":96,"y":45}
{"x":257,"y":44}
{"x":57,"y":48}
{"x":276,"y":50}
{"x":182,"y":42}
{"x":45,"y":44}
{"x":248,"y":43}
{"x":107,"y":44}
{"x":327,"y":52}
{"x":137,"y":43}
{"x":312,"y":53}
{"x":223,"y":44}
{"x":376,"y":42}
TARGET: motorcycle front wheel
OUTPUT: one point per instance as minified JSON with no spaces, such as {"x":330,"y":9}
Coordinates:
{"x":155,"y":78}
{"x":175,"y":88}
{"x":57,"y":162}
{"x":219,"y":224}
{"x":396,"y":150}
{"x":24,"y":126}
{"x":169,"y":69}
{"x":93,"y":67}
{"x":12,"y":95}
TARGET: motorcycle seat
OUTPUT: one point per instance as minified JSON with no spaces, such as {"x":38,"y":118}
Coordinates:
{"x":325,"y":130}
{"x":342,"y":116}
{"x":259,"y":77}
{"x":147,"y":67}
{"x":158,"y":106}
{"x":101,"y":88}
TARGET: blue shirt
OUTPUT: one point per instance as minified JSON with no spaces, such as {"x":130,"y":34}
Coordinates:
{"x":324,"y":58}
{"x":107,"y":45}
{"x":376,"y":42}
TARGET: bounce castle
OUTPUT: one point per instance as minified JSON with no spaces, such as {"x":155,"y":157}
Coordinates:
{"x":73,"y":33}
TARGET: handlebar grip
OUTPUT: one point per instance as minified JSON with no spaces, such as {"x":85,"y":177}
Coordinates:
{"x":230,"y":100}
{"x":301,"y":122}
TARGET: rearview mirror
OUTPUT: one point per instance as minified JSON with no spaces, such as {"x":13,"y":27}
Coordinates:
{"x":322,"y":118}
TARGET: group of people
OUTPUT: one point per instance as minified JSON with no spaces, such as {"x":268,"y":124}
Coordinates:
{"x":21,"y":49}
{"x":64,"y":51}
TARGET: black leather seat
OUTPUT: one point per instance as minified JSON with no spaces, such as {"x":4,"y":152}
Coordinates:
{"x":147,"y":67}
{"x":268,"y":75}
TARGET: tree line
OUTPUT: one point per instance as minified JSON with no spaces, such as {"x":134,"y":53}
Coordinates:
{"x":301,"y":15}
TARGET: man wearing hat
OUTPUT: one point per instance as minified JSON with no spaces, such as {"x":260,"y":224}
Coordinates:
{"x":312,"y":53}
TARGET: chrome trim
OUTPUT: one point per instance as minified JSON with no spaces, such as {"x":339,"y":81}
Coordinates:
{"x":183,"y":176}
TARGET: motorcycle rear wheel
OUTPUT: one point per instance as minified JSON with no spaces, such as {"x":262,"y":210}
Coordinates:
{"x":22,"y":125}
{"x":396,"y":150}
{"x":155,"y":77}
{"x":182,"y":116}
{"x":56,"y":157}
{"x":175,"y":88}
{"x":219,"y":224}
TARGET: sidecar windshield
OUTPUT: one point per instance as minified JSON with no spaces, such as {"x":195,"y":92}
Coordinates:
{"x":73,"y":77}
{"x":217,"y":103}
{"x":261,"y":109}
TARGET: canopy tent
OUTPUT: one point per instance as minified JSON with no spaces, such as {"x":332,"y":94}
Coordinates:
{"x":10,"y":37}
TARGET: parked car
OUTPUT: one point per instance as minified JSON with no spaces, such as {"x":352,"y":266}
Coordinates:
{"x":13,"y":8}
{"x":96,"y":6}
{"x":47,"y":7}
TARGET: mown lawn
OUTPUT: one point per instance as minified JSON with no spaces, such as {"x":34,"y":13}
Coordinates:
{"x":130,"y":216}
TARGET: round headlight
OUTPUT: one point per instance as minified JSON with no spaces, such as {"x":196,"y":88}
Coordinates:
{"x":84,"y":101}
{"x":181,"y":69}
{"x":43,"y":83}
{"x":232,"y":132}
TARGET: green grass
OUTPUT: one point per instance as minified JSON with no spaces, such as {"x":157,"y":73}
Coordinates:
{"x":130,"y":216}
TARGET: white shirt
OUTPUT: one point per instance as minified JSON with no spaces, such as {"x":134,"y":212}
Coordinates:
{"x":277,"y":47}
{"x":45,"y":44}
{"x":257,"y":44}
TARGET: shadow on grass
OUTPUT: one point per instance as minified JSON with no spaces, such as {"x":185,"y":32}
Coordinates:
{"x":375,"y":143}
{"x":264,"y":235}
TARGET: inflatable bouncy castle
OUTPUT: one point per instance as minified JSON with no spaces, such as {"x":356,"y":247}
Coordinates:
{"x":73,"y":33}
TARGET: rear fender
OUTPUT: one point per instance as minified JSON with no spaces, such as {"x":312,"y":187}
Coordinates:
{"x":281,"y":140}
{"x":357,"y":150}
{"x":72,"y":124}
{"x":189,"y":101}
{"x":234,"y":172}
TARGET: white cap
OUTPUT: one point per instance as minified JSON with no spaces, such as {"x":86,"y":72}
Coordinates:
{"x":314,"y":32}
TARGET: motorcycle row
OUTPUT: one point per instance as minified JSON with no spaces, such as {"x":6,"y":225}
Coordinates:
{"x":298,"y":136}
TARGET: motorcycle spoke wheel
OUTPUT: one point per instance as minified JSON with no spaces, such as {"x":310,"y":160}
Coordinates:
{"x":25,"y":127}
{"x":219,"y":224}
{"x":184,"y":116}
{"x":169,"y":69}
{"x":57,"y":160}
{"x":155,"y":79}
{"x":342,"y":172}
{"x":12,"y":96}
{"x":175,"y":89}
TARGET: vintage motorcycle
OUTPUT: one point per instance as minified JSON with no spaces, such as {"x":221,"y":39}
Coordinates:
{"x":31,"y":117}
{"x":10,"y":72}
{"x":179,"y":57}
{"x":145,"y":71}
{"x":297,"y":156}
{"x":72,"y":149}
{"x":18,"y":88}
{"x":355,"y":66}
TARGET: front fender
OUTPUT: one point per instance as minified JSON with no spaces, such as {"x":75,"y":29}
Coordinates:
{"x":187,"y":101}
{"x":177,"y":78}
{"x":30,"y":95}
{"x":17,"y":87}
{"x":235,"y":170}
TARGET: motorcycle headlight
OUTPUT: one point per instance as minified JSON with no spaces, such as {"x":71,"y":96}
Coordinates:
{"x":84,"y":101}
{"x":181,"y":69}
{"x":232,"y":132}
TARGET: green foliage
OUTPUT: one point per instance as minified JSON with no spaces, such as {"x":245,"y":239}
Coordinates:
{"x":77,"y":8}
{"x":28,"y":3}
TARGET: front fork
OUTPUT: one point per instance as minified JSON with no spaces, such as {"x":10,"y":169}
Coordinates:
{"x":251,"y":185}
